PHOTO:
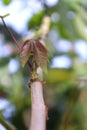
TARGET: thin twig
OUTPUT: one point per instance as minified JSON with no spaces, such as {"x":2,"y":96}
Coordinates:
{"x":5,"y":124}
{"x":14,"y":39}
{"x":30,"y":66}
{"x":12,"y":36}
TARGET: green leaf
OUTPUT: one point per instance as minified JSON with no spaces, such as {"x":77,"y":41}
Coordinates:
{"x":6,"y":2}
{"x":80,"y":26}
{"x":58,"y":75}
{"x":35,"y":21}
{"x":4,"y":15}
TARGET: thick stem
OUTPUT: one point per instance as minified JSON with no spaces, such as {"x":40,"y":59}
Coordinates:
{"x":38,"y":114}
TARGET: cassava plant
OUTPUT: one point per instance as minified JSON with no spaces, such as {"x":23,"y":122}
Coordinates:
{"x":33,"y":49}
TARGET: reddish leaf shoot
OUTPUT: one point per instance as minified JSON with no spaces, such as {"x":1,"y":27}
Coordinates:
{"x":37,"y":50}
{"x":32,"y":48}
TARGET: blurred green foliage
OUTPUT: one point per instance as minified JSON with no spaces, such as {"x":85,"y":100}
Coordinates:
{"x":6,"y":2}
{"x":35,"y":21}
{"x":65,"y":93}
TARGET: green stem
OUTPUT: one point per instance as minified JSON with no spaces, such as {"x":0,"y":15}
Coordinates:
{"x":5,"y":124}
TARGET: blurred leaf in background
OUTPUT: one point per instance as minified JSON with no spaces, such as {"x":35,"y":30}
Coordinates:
{"x":6,"y":2}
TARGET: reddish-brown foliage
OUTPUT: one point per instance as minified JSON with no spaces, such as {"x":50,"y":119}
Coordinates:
{"x":37,"y":50}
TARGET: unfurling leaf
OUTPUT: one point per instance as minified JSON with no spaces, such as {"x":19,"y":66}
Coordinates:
{"x":35,"y":48}
{"x":25,"y":52}
{"x":40,"y":54}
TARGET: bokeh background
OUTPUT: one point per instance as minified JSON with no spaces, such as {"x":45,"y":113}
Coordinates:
{"x":65,"y":91}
